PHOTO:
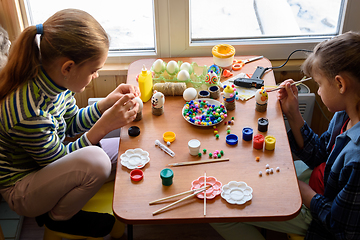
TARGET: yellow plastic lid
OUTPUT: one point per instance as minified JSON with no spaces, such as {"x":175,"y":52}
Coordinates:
{"x":169,"y":136}
{"x":223,"y":51}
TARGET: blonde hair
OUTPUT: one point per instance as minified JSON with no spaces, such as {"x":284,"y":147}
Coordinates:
{"x":334,"y":56}
{"x":69,"y":33}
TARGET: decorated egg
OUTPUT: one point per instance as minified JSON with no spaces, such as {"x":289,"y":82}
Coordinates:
{"x":186,"y":66}
{"x":211,"y":77}
{"x":158,"y":66}
{"x":189,"y":94}
{"x":138,"y":100}
{"x":172,"y":67}
{"x":183,"y":75}
{"x":261,"y":96}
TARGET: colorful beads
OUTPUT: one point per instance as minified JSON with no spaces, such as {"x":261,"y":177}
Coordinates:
{"x":200,"y":112}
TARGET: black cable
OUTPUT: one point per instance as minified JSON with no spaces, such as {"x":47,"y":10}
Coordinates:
{"x":297,"y":50}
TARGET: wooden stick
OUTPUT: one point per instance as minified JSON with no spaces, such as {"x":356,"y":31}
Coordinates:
{"x":183,"y":199}
{"x":176,"y":195}
{"x":198,"y":162}
{"x":294,"y":83}
{"x":205,"y":194}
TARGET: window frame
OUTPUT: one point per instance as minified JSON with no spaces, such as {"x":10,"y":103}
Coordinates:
{"x":172,"y":33}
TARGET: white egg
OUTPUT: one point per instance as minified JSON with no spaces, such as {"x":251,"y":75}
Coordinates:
{"x":137,"y":99}
{"x":158,"y":66}
{"x":189,"y":94}
{"x":183,"y":75}
{"x":261,"y":96}
{"x":172,"y":67}
{"x":186,"y":66}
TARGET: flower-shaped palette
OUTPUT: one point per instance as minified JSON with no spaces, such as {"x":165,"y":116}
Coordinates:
{"x":236,"y":192}
{"x":134,"y":158}
{"x":211,"y":192}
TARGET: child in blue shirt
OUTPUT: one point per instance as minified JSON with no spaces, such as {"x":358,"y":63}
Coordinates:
{"x":335,"y":66}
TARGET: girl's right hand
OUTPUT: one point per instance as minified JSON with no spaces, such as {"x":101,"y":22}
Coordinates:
{"x":288,"y":97}
{"x":121,"y":113}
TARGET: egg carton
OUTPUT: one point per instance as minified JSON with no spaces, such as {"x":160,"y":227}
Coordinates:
{"x":196,"y":80}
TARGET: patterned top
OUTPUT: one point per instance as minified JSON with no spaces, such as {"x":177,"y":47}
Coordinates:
{"x":34,"y":121}
{"x":336,"y":214}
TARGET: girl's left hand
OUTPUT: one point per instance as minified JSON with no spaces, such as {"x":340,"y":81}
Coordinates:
{"x":307,"y":193}
{"x":118,"y":93}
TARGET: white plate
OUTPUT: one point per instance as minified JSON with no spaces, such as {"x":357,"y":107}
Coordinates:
{"x":134,"y":158}
{"x":209,"y":101}
{"x":236,"y":192}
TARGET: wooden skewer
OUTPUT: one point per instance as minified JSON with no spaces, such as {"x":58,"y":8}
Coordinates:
{"x":198,"y":162}
{"x":176,"y":195}
{"x":183,"y":199}
{"x":205,"y":194}
{"x":294,"y":83}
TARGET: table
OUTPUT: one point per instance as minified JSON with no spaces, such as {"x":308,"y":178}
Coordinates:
{"x":275,"y":196}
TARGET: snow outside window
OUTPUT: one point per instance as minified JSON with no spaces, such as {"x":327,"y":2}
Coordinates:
{"x":173,"y":28}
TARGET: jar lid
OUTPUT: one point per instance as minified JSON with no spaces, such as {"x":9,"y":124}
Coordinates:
{"x":136,"y":175}
{"x":169,"y":136}
{"x":232,"y":139}
{"x":134,"y":131}
{"x":223,"y":51}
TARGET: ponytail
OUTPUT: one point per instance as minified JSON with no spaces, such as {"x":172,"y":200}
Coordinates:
{"x":23,"y":62}
{"x":69,"y":33}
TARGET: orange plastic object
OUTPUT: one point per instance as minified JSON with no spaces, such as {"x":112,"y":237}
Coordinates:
{"x":237,"y":66}
{"x":227,"y":73}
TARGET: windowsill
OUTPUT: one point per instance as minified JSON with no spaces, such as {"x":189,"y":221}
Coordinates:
{"x":114,"y":69}
{"x":122,"y":68}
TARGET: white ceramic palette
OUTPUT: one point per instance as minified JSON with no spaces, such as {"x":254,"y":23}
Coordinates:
{"x":134,"y":158}
{"x":236,"y":192}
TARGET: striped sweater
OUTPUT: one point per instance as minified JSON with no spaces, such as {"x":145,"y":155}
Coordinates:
{"x":34,"y":121}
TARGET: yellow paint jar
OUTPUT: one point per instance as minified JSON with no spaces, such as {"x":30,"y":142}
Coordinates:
{"x":223,"y":55}
{"x":270,"y":143}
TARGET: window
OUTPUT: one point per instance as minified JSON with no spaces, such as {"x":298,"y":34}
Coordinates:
{"x":172,"y":28}
{"x":252,"y":19}
{"x":130,"y":24}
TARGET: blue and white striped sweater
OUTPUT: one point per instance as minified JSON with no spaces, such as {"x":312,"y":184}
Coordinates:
{"x":34,"y":121}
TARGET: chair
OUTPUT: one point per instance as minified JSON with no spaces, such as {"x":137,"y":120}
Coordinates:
{"x":100,"y":202}
{"x":1,"y":234}
{"x":291,"y":236}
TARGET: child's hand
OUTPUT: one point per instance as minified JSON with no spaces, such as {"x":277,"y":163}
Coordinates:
{"x":118,"y":93}
{"x":121,"y":113}
{"x":288,"y":97}
{"x":307,"y":193}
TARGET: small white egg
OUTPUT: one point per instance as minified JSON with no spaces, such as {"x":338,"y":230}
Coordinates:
{"x":186,"y":66}
{"x":183,"y":75}
{"x":189,"y":94}
{"x":137,"y":99}
{"x":261,"y":96}
{"x":172,"y":67}
{"x":158,"y":66}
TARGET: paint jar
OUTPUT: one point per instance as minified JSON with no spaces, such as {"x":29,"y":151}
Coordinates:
{"x":194,"y":147}
{"x":167,"y":176}
{"x":223,"y":55}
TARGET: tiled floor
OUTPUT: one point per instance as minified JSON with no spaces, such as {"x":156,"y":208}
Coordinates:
{"x":10,"y":222}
